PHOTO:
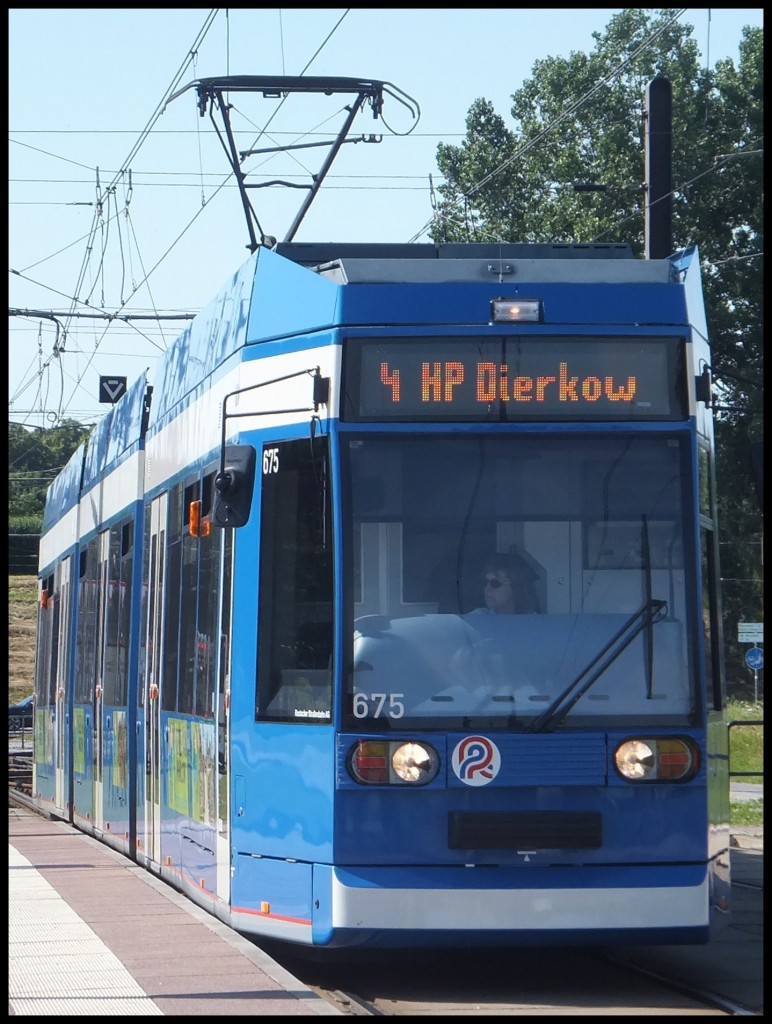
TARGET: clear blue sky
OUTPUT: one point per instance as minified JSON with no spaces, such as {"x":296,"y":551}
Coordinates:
{"x":84,"y":85}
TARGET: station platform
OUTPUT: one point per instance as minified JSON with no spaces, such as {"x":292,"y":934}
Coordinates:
{"x":145,"y":951}
{"x":150,"y":951}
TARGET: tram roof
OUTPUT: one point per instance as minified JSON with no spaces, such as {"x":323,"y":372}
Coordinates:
{"x":382,"y":263}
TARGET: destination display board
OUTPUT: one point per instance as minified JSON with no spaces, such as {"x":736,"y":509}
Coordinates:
{"x":514,"y":378}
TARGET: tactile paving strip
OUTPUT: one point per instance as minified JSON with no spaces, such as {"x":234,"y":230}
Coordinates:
{"x":57,"y":966}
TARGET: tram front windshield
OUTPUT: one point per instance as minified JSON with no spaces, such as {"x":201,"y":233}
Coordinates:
{"x":591,"y":530}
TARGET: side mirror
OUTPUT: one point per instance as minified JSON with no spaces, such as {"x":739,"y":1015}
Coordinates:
{"x":234,"y":486}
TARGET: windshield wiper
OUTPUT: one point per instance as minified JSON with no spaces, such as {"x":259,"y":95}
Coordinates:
{"x":652,"y":611}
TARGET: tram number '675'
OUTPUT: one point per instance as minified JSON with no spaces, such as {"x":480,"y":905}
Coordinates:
{"x":364,"y":709}
{"x":270,"y":461}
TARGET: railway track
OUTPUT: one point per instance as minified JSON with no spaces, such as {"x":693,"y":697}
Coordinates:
{"x":547,"y":982}
{"x":20,"y":771}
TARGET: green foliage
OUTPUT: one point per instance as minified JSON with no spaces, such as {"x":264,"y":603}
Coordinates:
{"x":25,"y":524}
{"x":34,"y":459}
{"x":23,"y":540}
{"x":580,"y":119}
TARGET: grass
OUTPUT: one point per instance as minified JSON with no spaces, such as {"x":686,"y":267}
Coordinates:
{"x":746,"y":754}
{"x":746,"y":743}
{"x":750,"y":812}
{"x":22,"y":627}
{"x":746,"y":750}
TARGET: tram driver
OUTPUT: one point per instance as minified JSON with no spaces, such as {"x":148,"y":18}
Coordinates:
{"x":490,"y":658}
{"x":508,"y":586}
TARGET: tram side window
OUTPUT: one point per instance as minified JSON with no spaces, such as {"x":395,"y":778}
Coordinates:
{"x":51,"y":641}
{"x":88,"y":607}
{"x":206,"y":622}
{"x":143,"y":612}
{"x":711,"y":636}
{"x":112,"y":599}
{"x":61,"y":676}
{"x":124,"y":611}
{"x":54,"y":608}
{"x":188,"y":598}
{"x":46,"y":638}
{"x":295,"y":623}
{"x":190,"y":625}
{"x":171,"y":658}
{"x":120,"y":561}
{"x":712,"y":639}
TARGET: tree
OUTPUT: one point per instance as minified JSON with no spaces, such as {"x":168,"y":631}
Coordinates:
{"x":34,"y":459}
{"x":580,"y":119}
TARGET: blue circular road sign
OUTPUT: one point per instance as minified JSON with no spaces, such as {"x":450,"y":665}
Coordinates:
{"x":754,"y":658}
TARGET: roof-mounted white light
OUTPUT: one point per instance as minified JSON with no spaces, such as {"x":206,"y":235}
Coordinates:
{"x":510,"y":311}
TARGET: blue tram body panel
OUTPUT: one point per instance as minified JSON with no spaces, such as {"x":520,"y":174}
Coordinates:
{"x":540,"y":775}
{"x":283,"y":791}
{"x":116,"y":436}
{"x":325,"y":735}
{"x":210,"y":340}
{"x":189,"y":834}
{"x":64,"y":493}
{"x":579,"y":305}
{"x":288,"y":300}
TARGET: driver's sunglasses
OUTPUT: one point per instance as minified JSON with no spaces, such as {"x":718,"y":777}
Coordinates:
{"x":494,"y":583}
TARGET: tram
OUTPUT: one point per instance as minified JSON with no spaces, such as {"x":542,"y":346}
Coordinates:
{"x":269,"y":667}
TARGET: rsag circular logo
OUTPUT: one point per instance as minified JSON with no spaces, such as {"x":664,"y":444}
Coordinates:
{"x":476,"y":760}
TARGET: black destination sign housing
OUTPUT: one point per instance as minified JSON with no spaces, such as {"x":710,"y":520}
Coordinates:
{"x":507,"y":379}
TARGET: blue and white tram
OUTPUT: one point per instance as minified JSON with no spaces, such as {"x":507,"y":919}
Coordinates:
{"x":267,"y":669}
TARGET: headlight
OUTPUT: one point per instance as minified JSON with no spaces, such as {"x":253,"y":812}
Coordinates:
{"x":657,"y":759}
{"x":386,"y":762}
{"x":413,"y":762}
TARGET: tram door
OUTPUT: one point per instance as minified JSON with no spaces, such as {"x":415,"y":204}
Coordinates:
{"x":98,"y":698}
{"x":61,"y":717}
{"x":223,"y":720}
{"x":152,"y":702}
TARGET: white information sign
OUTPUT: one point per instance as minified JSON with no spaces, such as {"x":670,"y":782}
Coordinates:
{"x":750,"y":632}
